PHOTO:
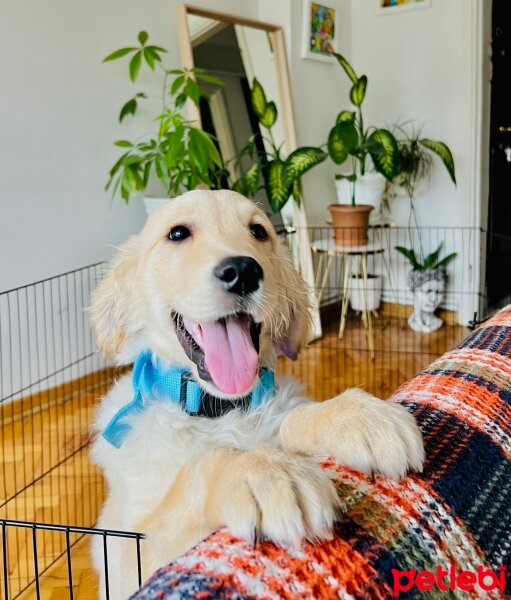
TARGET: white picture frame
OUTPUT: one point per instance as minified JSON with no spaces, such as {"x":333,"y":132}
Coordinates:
{"x":328,"y":16}
{"x":402,"y":7}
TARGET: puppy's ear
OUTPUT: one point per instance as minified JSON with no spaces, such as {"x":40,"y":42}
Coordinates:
{"x":294,"y":303}
{"x":112,"y":304}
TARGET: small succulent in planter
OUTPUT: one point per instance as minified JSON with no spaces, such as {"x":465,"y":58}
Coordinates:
{"x":278,"y":176}
{"x":350,"y":138}
{"x":178,"y":153}
{"x":427,"y":280}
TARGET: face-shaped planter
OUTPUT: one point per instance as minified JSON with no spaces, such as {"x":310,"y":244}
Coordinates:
{"x":428,"y":289}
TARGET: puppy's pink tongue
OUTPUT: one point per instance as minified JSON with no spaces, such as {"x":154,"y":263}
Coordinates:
{"x":231,"y":358}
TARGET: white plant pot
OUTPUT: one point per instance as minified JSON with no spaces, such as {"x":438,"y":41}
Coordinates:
{"x":374,"y":290}
{"x":368,"y":190}
{"x":151,"y":204}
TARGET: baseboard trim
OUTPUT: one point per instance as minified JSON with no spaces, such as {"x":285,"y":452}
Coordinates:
{"x":37,"y":401}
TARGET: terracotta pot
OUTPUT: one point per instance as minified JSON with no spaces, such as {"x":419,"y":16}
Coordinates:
{"x":350,"y":223}
{"x":369,"y":190}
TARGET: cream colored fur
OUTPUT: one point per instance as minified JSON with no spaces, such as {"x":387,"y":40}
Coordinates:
{"x":176,"y":477}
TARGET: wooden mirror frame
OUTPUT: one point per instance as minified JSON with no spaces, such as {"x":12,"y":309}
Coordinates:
{"x":276,"y":34}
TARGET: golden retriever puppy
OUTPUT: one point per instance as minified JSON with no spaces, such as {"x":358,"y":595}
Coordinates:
{"x":200,"y":435}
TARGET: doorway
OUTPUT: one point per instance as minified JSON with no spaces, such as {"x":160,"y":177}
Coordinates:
{"x":498,"y":261}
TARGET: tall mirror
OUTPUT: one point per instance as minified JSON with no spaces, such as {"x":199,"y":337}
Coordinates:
{"x":237,"y":50}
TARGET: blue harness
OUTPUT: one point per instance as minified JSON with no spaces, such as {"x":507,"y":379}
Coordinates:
{"x":152,"y":381}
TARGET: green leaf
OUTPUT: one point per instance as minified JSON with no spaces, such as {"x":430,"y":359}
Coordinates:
{"x":297,"y":194}
{"x":143,"y":36}
{"x":129,"y":108}
{"x":252,"y":179}
{"x":199,"y":155}
{"x":342,"y":141}
{"x":384,"y":152}
{"x":277,"y":192}
{"x":177,"y":84}
{"x":248,"y":185}
{"x":270,"y":115}
{"x":158,"y":49}
{"x":358,"y":91}
{"x":345,"y":115}
{"x":299,"y":162}
{"x":147,"y":173}
{"x":431,"y":260}
{"x":210,"y":79}
{"x":258,"y":98}
{"x":150,"y":57}
{"x":180,"y":100}
{"x":240,"y":186}
{"x":209,"y":144}
{"x":176,"y":148}
{"x":442,"y":150}
{"x":410,"y":255}
{"x":118,"y":54}
{"x":192,"y":91}
{"x":349,"y":70}
{"x":445,"y":261}
{"x":135,"y":63}
{"x":351,"y":177}
{"x":118,"y":164}
{"x":123,"y":144}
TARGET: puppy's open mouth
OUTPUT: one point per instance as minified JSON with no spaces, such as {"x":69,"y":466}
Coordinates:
{"x":226,"y":351}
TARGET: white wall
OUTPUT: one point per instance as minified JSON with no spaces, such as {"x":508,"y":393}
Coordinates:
{"x":59,"y":106}
{"x":417,"y":62}
{"x":58,"y":119}
{"x":316,"y":90}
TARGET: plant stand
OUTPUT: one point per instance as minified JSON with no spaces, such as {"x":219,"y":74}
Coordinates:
{"x":328,"y":250}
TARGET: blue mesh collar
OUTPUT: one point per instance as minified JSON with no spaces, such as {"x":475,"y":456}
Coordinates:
{"x":152,"y":381}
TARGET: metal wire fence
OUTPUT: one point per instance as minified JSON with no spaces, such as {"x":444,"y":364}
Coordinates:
{"x":51,"y":378}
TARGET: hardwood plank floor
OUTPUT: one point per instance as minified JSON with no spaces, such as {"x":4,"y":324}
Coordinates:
{"x":47,"y":476}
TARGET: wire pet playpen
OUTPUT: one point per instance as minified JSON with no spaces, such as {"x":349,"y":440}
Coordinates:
{"x":51,"y":378}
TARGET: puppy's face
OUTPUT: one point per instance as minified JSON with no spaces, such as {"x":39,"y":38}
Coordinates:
{"x":208,"y":285}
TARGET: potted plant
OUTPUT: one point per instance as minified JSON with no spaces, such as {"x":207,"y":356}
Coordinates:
{"x":427,"y":281}
{"x":278,"y":176}
{"x":416,"y":165}
{"x":350,"y":138}
{"x":179,"y":154}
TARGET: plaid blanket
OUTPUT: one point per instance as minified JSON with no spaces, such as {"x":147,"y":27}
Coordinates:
{"x":446,"y":532}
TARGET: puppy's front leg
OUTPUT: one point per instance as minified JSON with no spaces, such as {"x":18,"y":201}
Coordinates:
{"x":258,"y":493}
{"x":358,"y":430}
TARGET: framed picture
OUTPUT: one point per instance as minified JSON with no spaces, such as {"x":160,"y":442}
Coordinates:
{"x":391,"y":6}
{"x":320,"y":31}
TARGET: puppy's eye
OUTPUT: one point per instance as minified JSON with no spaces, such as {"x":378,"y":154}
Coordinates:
{"x":179,"y":233}
{"x":259,"y":232}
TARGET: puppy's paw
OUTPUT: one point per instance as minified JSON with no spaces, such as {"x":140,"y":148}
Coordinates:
{"x":358,"y":430}
{"x":271,"y":494}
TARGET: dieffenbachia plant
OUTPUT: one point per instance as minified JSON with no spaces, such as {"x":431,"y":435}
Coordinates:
{"x":280,"y":177}
{"x":351,"y":138}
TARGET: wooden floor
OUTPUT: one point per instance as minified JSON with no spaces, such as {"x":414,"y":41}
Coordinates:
{"x":49,"y":446}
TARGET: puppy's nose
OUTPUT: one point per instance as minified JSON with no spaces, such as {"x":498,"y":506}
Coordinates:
{"x":239,"y":274}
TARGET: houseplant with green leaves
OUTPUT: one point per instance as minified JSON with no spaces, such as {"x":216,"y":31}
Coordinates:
{"x":427,"y":281}
{"x":416,"y":165}
{"x":351,"y":141}
{"x":278,"y":176}
{"x":178,"y":154}
{"x":428,"y":277}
